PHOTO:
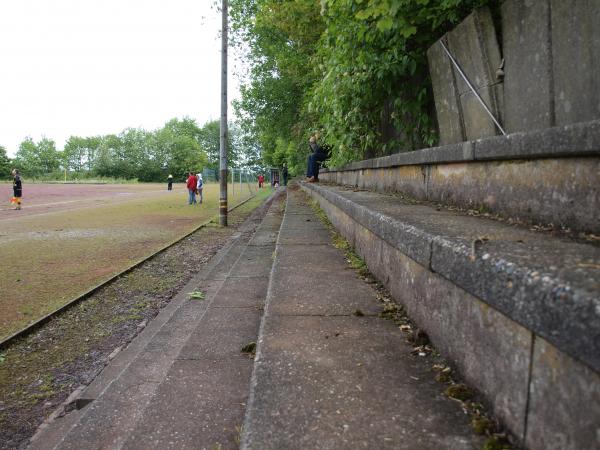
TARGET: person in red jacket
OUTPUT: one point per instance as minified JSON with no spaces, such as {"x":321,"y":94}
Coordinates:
{"x":191,"y":186}
{"x":261,"y":180}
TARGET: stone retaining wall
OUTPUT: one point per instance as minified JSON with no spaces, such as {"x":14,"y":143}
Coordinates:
{"x":544,"y":177}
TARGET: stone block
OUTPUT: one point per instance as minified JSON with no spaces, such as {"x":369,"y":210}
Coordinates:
{"x":528,"y":99}
{"x":478,"y":123}
{"x":474,"y":46}
{"x":562,"y":192}
{"x":447,"y":105}
{"x":582,"y":139}
{"x":576,"y":60}
{"x":544,"y":285}
{"x":564,"y":405}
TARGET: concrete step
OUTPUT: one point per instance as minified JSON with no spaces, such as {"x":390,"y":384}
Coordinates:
{"x":328,"y":377}
{"x":183,"y":381}
{"x":547,"y":177}
{"x":516,"y":310}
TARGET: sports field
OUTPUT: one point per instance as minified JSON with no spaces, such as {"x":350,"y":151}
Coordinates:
{"x":71,"y":237}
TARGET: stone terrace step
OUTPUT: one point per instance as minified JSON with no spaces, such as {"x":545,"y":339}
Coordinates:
{"x":550,"y":285}
{"x":517,"y":311}
{"x":183,"y":382}
{"x":326,"y":378}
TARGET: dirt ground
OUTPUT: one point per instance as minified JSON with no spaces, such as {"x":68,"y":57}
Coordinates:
{"x":69,"y":238}
{"x":39,"y":371}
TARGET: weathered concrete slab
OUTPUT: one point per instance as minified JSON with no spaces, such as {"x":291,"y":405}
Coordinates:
{"x":316,"y":235}
{"x":302,"y":222}
{"x":271,"y":222}
{"x":199,"y":405}
{"x":264,"y":237}
{"x":221,"y":270}
{"x":414,"y":241}
{"x":574,"y":141}
{"x":222,"y":334}
{"x":357,"y":389}
{"x":547,"y":285}
{"x":473,"y":335}
{"x":243,"y":292}
{"x":256,"y":261}
{"x":576,"y":60}
{"x":447,"y":103}
{"x":564,"y":409}
{"x":528,"y":96}
{"x":561,"y":192}
{"x":295,"y":294}
{"x":478,"y":124}
{"x":317,"y":260}
{"x":474,"y":47}
{"x":109,"y":420}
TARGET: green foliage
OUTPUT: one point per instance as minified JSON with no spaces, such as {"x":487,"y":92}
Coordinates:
{"x":196,"y":295}
{"x":37,"y":158}
{"x":4,"y":163}
{"x":178,"y":147}
{"x":342,"y":67}
{"x":281,"y":39}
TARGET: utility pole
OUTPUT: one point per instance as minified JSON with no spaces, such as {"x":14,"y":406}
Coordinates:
{"x":223,"y":143}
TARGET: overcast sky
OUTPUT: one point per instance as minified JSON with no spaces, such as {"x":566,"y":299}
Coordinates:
{"x":89,"y":67}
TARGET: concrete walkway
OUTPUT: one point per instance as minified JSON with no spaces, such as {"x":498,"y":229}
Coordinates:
{"x":323,"y":378}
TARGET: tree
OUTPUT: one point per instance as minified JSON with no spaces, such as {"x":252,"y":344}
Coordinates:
{"x":281,"y":38}
{"x":37,"y":159}
{"x":48,"y":157}
{"x":5,"y":167}
{"x":338,"y":66}
{"x":178,"y":149}
{"x":76,"y":153}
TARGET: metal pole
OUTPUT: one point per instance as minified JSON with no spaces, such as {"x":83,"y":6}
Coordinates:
{"x":462,"y":74}
{"x":233,"y":181}
{"x":223,"y":138}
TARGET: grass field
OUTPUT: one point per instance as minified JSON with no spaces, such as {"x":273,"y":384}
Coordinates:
{"x":69,"y":238}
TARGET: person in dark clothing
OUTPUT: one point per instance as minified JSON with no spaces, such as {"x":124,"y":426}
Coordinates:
{"x":170,"y":183}
{"x":17,"y":189}
{"x":284,"y":173}
{"x":317,"y":156}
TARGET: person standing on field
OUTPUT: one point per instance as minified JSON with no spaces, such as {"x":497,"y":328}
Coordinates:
{"x":199,"y":186}
{"x":170,"y":183}
{"x":17,"y":189}
{"x":261,"y":180}
{"x":191,"y":185}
